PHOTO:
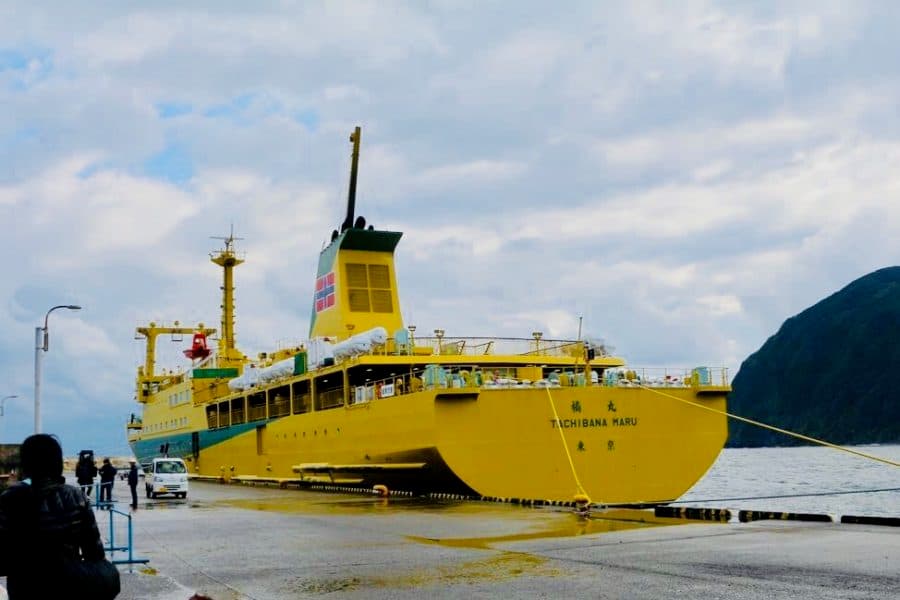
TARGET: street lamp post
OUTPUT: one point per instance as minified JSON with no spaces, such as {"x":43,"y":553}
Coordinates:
{"x":42,"y":344}
{"x":3,"y":409}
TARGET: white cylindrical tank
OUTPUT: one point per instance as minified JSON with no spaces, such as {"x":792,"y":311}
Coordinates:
{"x":360,"y":343}
{"x":248,"y":379}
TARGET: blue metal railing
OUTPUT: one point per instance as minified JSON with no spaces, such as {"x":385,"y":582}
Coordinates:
{"x":110,"y":508}
{"x":129,"y":547}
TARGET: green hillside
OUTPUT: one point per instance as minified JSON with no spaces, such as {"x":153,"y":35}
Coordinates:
{"x":831,"y":372}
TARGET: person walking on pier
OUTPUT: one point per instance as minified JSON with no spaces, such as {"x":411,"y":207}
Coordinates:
{"x":132,"y":482}
{"x":86,"y":470}
{"x":51,"y":546}
{"x":107,"y":478}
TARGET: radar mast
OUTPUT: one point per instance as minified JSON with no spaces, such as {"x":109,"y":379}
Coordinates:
{"x":227,"y":258}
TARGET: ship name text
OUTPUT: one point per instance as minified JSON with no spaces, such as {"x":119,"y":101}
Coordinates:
{"x":585,"y":422}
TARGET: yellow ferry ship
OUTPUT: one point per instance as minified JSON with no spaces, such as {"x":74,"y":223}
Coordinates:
{"x":368,"y":403}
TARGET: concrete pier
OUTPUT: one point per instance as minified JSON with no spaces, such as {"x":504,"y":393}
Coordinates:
{"x":235,"y":542}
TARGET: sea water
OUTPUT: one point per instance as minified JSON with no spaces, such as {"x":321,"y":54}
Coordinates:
{"x":808,"y":479}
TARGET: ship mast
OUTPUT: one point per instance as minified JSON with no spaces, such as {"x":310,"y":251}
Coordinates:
{"x":228,"y":354}
{"x":354,"y":169}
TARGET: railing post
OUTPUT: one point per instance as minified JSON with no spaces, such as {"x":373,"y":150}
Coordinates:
{"x":130,"y":541}
{"x":112,"y":541}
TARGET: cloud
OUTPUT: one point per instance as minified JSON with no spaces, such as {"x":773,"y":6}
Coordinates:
{"x":680,"y":148}
{"x":682,"y":176}
{"x":304,"y":31}
{"x":98,"y":214}
{"x":721,"y":305}
{"x":472,"y":173}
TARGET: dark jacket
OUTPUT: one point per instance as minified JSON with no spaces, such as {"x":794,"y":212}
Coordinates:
{"x":133,"y":476}
{"x":85,"y":472}
{"x":41,"y":526}
{"x":107,"y":473}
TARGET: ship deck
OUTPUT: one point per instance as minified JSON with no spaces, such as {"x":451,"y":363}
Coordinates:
{"x":239,"y":541}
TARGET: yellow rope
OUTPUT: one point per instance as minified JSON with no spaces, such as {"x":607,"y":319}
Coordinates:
{"x":773,"y":428}
{"x":566,"y":447}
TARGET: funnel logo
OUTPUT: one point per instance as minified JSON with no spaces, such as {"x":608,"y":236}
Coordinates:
{"x":325,"y":292}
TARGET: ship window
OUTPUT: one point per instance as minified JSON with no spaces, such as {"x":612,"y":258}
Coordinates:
{"x":301,"y":396}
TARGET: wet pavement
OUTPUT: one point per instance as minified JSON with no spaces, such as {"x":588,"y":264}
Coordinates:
{"x":236,"y":542}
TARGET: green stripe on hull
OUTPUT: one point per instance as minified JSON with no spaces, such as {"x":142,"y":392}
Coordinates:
{"x":181,"y":445}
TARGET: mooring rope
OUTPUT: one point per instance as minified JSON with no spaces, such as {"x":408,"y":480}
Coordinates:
{"x":808,"y":494}
{"x":566,"y":448}
{"x":773,"y":428}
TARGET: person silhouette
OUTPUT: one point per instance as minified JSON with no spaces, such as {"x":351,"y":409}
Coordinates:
{"x":107,"y":479}
{"x":132,"y":482}
{"x":86,"y":471}
{"x":51,"y":545}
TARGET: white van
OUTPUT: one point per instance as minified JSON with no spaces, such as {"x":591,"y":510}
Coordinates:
{"x":166,"y":476}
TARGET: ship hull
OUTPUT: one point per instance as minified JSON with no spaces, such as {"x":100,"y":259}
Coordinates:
{"x":616,"y":445}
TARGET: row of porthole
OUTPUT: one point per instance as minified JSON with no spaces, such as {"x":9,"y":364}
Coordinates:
{"x":169,"y":424}
{"x":315,"y":433}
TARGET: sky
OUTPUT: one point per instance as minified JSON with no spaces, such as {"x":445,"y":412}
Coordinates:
{"x":677,"y":177}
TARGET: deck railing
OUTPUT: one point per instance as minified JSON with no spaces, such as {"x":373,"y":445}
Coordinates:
{"x":451,"y":377}
{"x":436,"y":377}
{"x":329,"y":398}
{"x":280,"y":408}
{"x":482,"y":346}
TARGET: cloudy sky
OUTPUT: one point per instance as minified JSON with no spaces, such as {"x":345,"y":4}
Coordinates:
{"x":683,"y":175}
